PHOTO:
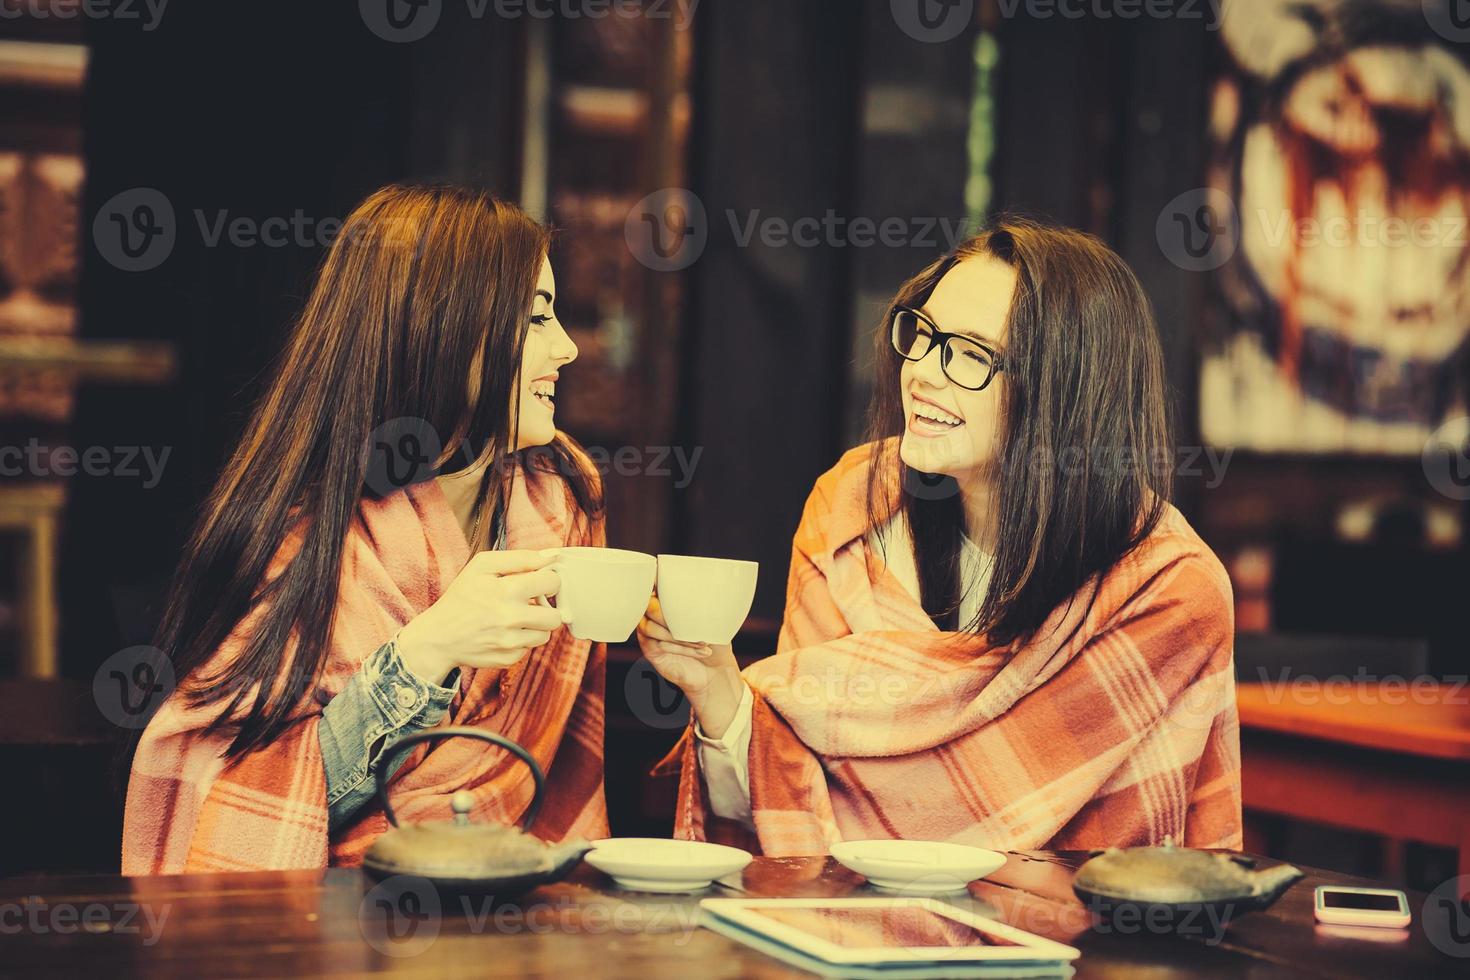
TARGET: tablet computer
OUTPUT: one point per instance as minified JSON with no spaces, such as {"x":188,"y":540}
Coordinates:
{"x":888,"y":937}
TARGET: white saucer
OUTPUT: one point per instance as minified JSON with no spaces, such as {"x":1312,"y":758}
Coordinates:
{"x":916,"y":867}
{"x":657,"y":864}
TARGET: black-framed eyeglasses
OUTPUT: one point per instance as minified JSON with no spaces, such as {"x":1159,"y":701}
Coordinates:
{"x":965,"y":361}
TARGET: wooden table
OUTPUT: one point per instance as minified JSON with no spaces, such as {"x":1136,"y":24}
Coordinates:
{"x":329,"y":922}
{"x":1389,"y":759}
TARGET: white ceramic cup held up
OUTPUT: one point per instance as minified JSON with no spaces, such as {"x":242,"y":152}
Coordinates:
{"x":604,"y":591}
{"x":705,"y":600}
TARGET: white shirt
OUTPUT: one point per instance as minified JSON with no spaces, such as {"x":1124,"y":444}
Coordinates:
{"x":726,"y":760}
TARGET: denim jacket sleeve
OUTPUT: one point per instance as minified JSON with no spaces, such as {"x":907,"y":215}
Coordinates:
{"x":383,"y":703}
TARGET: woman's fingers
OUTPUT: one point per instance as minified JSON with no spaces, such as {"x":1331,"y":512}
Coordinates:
{"x":673,"y":648}
{"x":659,"y":633}
{"x":510,"y":562}
{"x":561,"y":613}
{"x":655,"y":613}
{"x":653,"y":630}
{"x":532,"y":638}
{"x":537,"y":617}
{"x":529,"y":585}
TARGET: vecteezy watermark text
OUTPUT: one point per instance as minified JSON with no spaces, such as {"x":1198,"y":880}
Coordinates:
{"x":668,"y":230}
{"x":1365,"y":229}
{"x":1206,"y":10}
{"x":36,"y":459}
{"x":655,"y":461}
{"x":406,"y":21}
{"x":406,"y":450}
{"x":136,"y":230}
{"x":402,"y":916}
{"x":1201,"y":229}
{"x":1362,"y":687}
{"x":938,"y":21}
{"x":37,"y":916}
{"x":148,"y":12}
{"x":836,"y":231}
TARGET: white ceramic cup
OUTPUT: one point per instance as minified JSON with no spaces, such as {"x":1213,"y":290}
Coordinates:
{"x":705,"y":600}
{"x":604,"y":591}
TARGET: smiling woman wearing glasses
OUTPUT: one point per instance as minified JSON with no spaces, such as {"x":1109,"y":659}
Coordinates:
{"x":998,"y":631}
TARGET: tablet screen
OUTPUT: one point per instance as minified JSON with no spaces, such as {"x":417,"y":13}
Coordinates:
{"x":866,"y":928}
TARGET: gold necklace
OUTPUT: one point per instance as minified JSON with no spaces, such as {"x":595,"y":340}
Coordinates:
{"x":479,"y":509}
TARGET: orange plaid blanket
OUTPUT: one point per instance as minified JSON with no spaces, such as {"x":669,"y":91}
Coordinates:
{"x":189,"y":811}
{"x":870,"y":722}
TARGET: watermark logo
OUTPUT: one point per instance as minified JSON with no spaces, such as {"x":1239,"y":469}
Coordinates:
{"x":400,"y":916}
{"x":1446,"y":917}
{"x":932,"y":21}
{"x":132,"y":684}
{"x":1450,"y":19}
{"x":1198,"y":230}
{"x":401,"y":452}
{"x":135,"y":230}
{"x":400,"y":21}
{"x":922,"y":485}
{"x":667,"y":230}
{"x":653,"y":700}
{"x":1446,"y":458}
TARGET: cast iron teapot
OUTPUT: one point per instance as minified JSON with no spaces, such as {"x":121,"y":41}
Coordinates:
{"x":1172,"y":886}
{"x":460,"y":855}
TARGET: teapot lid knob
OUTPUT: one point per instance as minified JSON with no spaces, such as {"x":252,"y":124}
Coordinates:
{"x":462,"y":802}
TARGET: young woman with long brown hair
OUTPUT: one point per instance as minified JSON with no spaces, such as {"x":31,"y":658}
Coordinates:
{"x":371,"y":562}
{"x":998,"y":631}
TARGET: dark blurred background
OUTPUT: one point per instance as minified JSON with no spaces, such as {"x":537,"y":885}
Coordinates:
{"x":725,"y":365}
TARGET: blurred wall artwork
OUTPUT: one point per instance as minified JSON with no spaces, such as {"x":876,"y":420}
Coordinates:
{"x":1334,"y":226}
{"x":40,"y":180}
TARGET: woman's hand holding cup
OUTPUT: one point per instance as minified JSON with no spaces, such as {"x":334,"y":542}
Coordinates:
{"x":492,"y":615}
{"x":707,"y":673}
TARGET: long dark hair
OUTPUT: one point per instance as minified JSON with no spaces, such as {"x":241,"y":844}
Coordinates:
{"x":1082,"y":473}
{"x":423,"y":286}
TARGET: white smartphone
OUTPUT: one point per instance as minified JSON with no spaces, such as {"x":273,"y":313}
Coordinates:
{"x":1384,"y":907}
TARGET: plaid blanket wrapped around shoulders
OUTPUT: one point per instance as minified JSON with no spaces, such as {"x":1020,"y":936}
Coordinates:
{"x":869,"y":722}
{"x":188,"y":810}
